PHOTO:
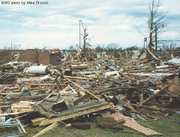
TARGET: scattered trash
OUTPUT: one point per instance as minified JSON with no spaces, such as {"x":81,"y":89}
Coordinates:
{"x":79,"y":86}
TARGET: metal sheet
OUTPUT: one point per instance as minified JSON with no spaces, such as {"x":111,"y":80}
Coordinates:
{"x":38,"y":69}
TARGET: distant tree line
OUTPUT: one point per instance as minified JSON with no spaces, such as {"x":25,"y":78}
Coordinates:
{"x":112,"y":47}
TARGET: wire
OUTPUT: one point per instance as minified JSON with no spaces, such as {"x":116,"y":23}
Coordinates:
{"x":139,"y":30}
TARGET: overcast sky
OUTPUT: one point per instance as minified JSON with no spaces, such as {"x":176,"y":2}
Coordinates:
{"x":56,"y":24}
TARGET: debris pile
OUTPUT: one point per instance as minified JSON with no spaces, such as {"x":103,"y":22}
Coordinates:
{"x":111,"y":90}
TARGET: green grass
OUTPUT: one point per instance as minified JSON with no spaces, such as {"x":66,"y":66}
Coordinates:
{"x":163,"y":125}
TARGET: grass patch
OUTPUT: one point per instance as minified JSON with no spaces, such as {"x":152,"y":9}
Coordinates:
{"x":166,"y":126}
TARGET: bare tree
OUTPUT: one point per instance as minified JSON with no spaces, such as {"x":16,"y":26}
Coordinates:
{"x":112,"y":47}
{"x":86,"y":45}
{"x":85,"y":40}
{"x":156,"y":22}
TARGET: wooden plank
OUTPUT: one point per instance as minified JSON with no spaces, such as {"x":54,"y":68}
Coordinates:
{"x":59,"y":85}
{"x":81,"y":66}
{"x":18,"y":73}
{"x":37,"y":121}
{"x":84,"y":89}
{"x":17,"y":117}
{"x":16,"y":113}
{"x":88,"y":65}
{"x":75,"y":77}
{"x":12,"y":93}
{"x":67,"y":87}
{"x":54,"y":125}
{"x":79,"y":113}
{"x":5,"y":106}
{"x":20,"y":127}
{"x":152,"y":96}
{"x":80,"y":99}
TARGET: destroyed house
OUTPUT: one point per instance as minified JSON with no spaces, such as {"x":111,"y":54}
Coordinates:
{"x":31,"y":55}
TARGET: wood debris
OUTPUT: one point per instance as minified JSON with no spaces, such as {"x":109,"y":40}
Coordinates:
{"x":90,"y":86}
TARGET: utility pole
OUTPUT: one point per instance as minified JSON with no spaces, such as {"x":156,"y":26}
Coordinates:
{"x":84,"y":45}
{"x":145,"y":43}
{"x":79,"y":33}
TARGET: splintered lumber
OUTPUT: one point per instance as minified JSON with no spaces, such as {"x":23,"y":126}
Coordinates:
{"x":58,"y":85}
{"x":130,"y":87}
{"x":72,"y":77}
{"x":17,"y":117}
{"x":36,"y":97}
{"x":154,"y":95}
{"x":17,"y":73}
{"x":87,"y":62}
{"x":145,"y":125}
{"x":5,"y":106}
{"x":81,"y":66}
{"x":146,"y":61}
{"x":54,"y":125}
{"x":37,"y":121}
{"x":80,"y":99}
{"x":16,"y":113}
{"x":21,"y":107}
{"x":84,"y":89}
{"x":108,"y":89}
{"x":78,"y":111}
{"x":141,"y":117}
{"x":11,"y":93}
{"x":153,"y":108}
{"x":67,"y":87}
{"x":87,"y":72}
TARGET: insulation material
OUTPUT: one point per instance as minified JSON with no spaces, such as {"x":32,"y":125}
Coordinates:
{"x":131,"y":123}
